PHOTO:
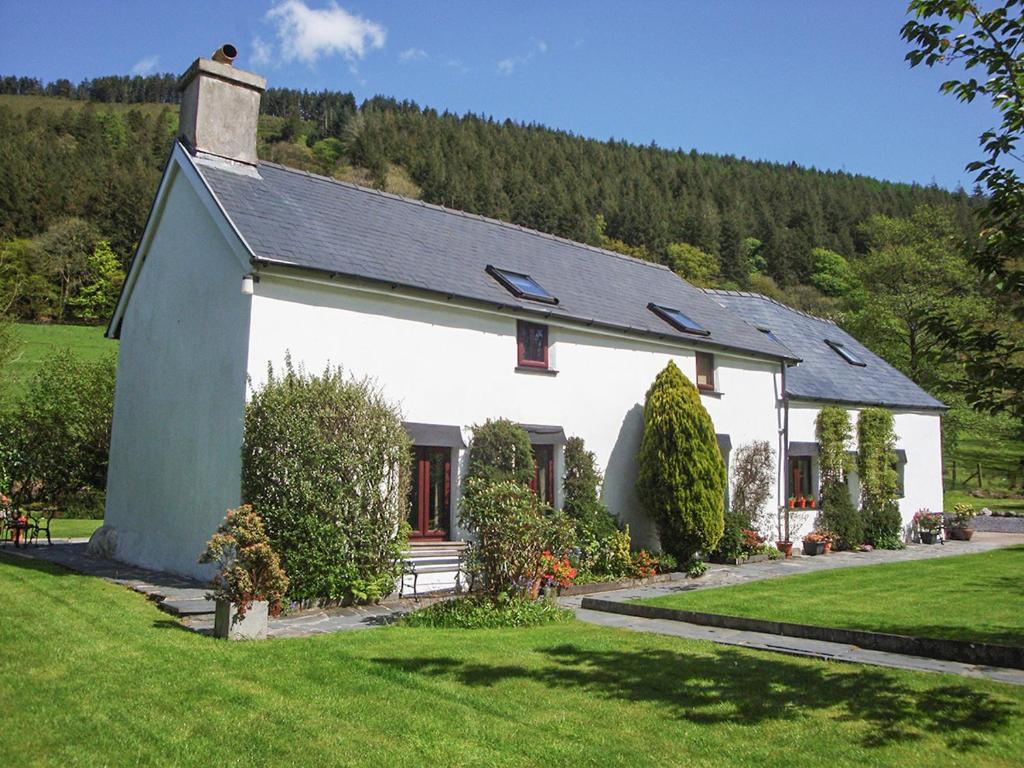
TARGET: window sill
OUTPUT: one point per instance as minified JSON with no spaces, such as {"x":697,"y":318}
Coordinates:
{"x":538,"y":371}
{"x":710,"y":393}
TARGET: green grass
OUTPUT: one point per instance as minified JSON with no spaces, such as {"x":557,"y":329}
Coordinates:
{"x":994,"y":443}
{"x":36,"y":342}
{"x":71,"y":529}
{"x":93,"y":674}
{"x":967,"y":597}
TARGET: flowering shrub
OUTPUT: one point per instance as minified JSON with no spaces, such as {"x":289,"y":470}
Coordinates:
{"x":752,"y":541}
{"x":557,"y":571}
{"x":248,"y":569}
{"x":814,"y":536}
{"x":645,"y":565}
{"x":928,"y":521}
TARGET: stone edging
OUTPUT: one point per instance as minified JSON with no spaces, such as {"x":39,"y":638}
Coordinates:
{"x":985,"y":654}
{"x":993,"y":524}
{"x":608,"y":586}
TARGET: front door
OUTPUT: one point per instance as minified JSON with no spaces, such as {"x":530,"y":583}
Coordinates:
{"x":544,"y":474}
{"x":430,"y":513}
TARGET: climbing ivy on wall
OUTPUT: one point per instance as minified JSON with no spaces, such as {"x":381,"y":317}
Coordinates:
{"x":834,"y":433}
{"x":876,"y":467}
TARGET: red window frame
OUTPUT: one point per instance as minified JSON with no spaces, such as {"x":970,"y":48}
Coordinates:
{"x":709,"y":360}
{"x":522,"y":328}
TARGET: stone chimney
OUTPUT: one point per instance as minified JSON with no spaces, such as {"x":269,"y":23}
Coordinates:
{"x":220,"y":107}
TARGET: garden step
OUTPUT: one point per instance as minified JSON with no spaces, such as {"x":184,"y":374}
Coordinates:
{"x":193,"y":607}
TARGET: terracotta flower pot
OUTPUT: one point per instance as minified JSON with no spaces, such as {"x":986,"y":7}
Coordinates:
{"x":828,"y":547}
{"x":961,"y":534}
{"x":786,"y":548}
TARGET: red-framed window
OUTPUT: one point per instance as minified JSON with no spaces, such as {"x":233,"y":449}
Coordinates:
{"x":532,"y":341}
{"x":706,"y":371}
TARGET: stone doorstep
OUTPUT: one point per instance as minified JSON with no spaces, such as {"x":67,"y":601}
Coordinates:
{"x":982,"y":654}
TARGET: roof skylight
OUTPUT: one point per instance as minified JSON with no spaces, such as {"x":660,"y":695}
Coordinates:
{"x":677,"y":319}
{"x":846,"y":353}
{"x":523,"y":286}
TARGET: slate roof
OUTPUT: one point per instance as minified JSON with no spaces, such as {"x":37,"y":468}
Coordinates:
{"x":823,"y":374}
{"x":293,"y":218}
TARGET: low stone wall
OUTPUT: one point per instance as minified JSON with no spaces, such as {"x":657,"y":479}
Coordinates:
{"x":949,"y":650}
{"x":992,"y":524}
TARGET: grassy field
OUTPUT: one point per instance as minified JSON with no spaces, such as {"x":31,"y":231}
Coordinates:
{"x":22,"y":104}
{"x":994,"y":443}
{"x":969,"y":597}
{"x":71,"y":529}
{"x":106,"y":679}
{"x":39,"y":341}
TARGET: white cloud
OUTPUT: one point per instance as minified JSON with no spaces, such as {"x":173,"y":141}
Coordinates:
{"x":509,"y":65}
{"x":262,"y":52}
{"x":307,"y":34}
{"x":412,"y":54}
{"x":146,"y":65}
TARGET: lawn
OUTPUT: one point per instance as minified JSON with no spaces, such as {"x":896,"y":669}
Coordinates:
{"x":36,"y":342}
{"x":71,"y":529}
{"x":967,"y":597}
{"x":103,"y":678}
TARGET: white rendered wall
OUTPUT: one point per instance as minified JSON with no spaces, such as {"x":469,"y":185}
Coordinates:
{"x":452,"y":365}
{"x":175,"y":452}
{"x":918,"y":433}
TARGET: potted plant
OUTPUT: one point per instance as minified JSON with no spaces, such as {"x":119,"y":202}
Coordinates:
{"x":827,"y":537}
{"x":811,"y":500}
{"x":814,"y":544}
{"x":801,"y":502}
{"x":928,"y":525}
{"x":792,"y":502}
{"x":249,"y":583}
{"x":786,"y":548}
{"x":959,"y":522}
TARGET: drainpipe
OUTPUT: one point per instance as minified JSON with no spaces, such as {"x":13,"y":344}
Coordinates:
{"x":785,"y":451}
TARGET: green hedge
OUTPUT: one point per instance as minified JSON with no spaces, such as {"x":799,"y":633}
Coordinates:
{"x":326,"y":465}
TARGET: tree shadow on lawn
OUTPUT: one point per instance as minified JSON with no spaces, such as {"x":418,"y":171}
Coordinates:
{"x":726,"y":686}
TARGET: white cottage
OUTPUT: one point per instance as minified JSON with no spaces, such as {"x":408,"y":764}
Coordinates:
{"x":458,"y":318}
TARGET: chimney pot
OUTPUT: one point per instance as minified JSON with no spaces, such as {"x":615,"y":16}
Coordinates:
{"x":225,"y":54}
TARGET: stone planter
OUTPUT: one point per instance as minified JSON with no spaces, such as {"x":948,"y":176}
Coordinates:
{"x":929,"y":537}
{"x":961,"y":534}
{"x":814,"y":548}
{"x":253,"y":626}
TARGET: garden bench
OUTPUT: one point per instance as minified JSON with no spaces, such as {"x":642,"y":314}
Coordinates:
{"x":447,"y":563}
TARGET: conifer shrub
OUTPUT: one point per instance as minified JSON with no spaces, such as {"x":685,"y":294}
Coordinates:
{"x":501,"y":450}
{"x":840,"y":516}
{"x":325,"y":463}
{"x":876,"y":467}
{"x":681,"y":479}
{"x":581,"y":488}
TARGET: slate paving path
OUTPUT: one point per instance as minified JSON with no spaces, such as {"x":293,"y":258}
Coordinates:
{"x":725,"y":575}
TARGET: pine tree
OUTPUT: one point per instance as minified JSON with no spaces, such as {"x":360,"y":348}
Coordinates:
{"x":682,"y":477}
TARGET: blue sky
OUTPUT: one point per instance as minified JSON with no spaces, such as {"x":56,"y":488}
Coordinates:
{"x":823,"y":84}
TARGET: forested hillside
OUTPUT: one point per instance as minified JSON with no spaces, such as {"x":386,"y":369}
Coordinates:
{"x":550,"y":180}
